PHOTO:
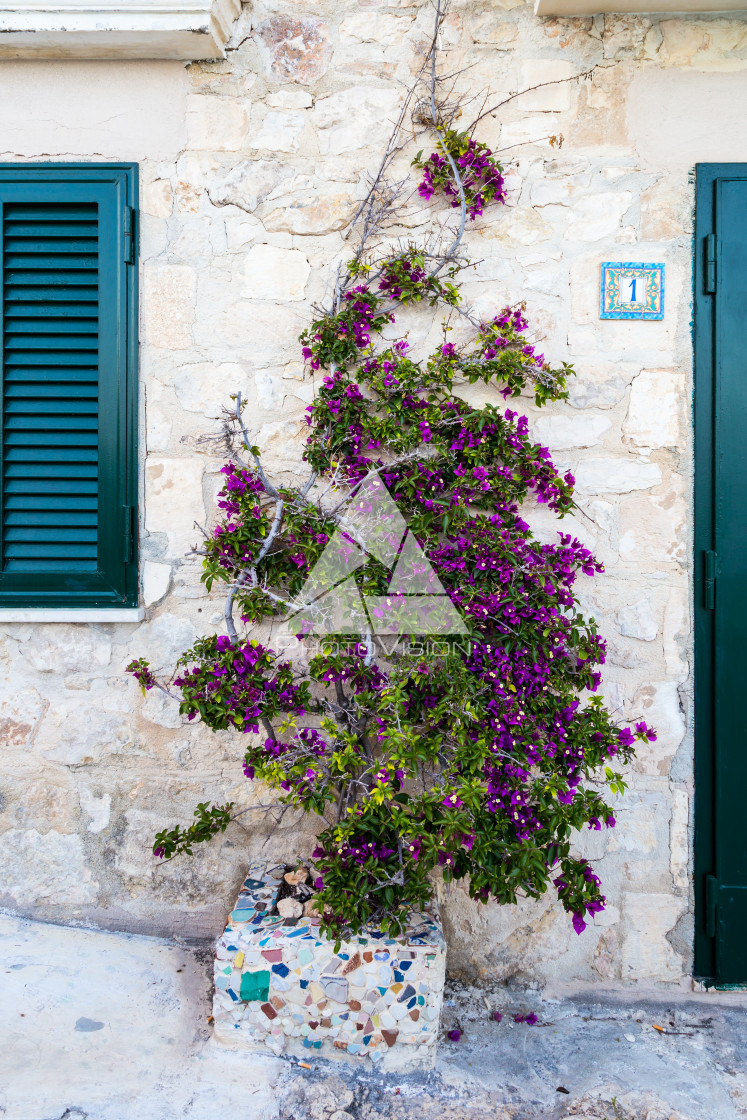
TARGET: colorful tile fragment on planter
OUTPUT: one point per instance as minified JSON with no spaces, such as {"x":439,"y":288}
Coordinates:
{"x":280,"y":986}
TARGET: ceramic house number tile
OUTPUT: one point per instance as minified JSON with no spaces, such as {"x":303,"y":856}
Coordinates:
{"x":632,"y":291}
{"x":281,"y":987}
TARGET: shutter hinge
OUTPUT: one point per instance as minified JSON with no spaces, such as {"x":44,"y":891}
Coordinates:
{"x":711,"y":903}
{"x":709,"y":273}
{"x":128,"y":536}
{"x":709,"y":580}
{"x":128,"y":227}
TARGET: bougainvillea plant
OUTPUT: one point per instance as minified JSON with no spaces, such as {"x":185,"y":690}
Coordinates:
{"x":478,"y":757}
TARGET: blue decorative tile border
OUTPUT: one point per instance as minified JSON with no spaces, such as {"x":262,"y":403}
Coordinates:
{"x":631,"y":290}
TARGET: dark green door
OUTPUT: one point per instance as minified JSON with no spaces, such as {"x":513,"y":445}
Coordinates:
{"x":721,"y":572}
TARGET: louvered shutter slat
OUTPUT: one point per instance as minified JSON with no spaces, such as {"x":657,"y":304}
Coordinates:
{"x":39,"y":253}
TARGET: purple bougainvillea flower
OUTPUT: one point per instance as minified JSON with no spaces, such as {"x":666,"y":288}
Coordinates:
{"x":497,"y":1017}
{"x":519,"y":1018}
{"x":454,"y":1035}
{"x":530,"y":1019}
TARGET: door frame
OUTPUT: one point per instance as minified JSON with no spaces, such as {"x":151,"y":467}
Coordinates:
{"x":703,"y":541}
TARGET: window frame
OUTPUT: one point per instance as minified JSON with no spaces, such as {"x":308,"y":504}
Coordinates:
{"x":118,"y":458}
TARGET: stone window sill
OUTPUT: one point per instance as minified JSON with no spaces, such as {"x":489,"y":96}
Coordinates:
{"x":176,"y":29}
{"x":75,"y":614}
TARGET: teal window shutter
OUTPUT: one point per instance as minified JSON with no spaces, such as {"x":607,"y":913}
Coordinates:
{"x":68,"y":338}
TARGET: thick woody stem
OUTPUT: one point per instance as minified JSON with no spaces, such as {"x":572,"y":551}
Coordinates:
{"x":452,"y":164}
{"x":228,"y":610}
{"x":260,"y":470}
{"x":251,"y":573}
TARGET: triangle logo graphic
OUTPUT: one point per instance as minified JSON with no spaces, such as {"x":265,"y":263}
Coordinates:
{"x":413,"y":574}
{"x":337,"y":562}
{"x":339,"y":611}
{"x":416,"y":602}
{"x":372,"y":516}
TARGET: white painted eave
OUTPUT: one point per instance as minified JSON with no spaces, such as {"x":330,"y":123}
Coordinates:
{"x":177,"y":29}
{"x":638,"y":7}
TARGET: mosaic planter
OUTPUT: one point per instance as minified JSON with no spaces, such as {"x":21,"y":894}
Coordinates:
{"x":281,"y":987}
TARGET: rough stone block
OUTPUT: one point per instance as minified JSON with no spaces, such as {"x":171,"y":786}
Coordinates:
{"x":313,"y":216}
{"x":563,"y":432}
{"x":216,"y":124}
{"x":173,"y":490}
{"x":354,"y":118}
{"x":203,"y":386}
{"x":41,"y":868}
{"x":273,"y":273}
{"x":647,"y":954}
{"x":279,"y":132}
{"x":295,"y":50}
{"x":653,"y":416}
{"x":158,"y":198}
{"x":20,"y":712}
{"x":59,"y":649}
{"x":653,"y":527}
{"x":528,"y":130}
{"x":679,"y":846}
{"x":602,"y":386}
{"x":376,"y":27}
{"x":83,"y":725}
{"x":164,"y":639}
{"x":169,"y":305}
{"x":290,"y":99}
{"x":638,"y":621}
{"x":495,"y":31}
{"x":97,"y":809}
{"x":660,"y":705}
{"x":156,"y":580}
{"x":598,"y":215}
{"x":551,"y":75}
{"x":160,"y":709}
{"x":280,"y":985}
{"x":519,"y":227}
{"x":617,"y":476}
{"x":248,"y":183}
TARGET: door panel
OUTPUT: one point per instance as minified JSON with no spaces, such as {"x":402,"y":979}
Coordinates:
{"x":721,"y":572}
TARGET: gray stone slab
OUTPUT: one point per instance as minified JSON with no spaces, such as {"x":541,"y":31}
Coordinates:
{"x":153,"y":1057}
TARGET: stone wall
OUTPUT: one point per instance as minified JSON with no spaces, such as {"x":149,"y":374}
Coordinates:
{"x":251,"y":168}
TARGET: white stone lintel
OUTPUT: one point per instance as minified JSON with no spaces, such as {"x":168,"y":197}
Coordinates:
{"x":72,"y":614}
{"x":175,"y":29}
{"x":638,"y":7}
